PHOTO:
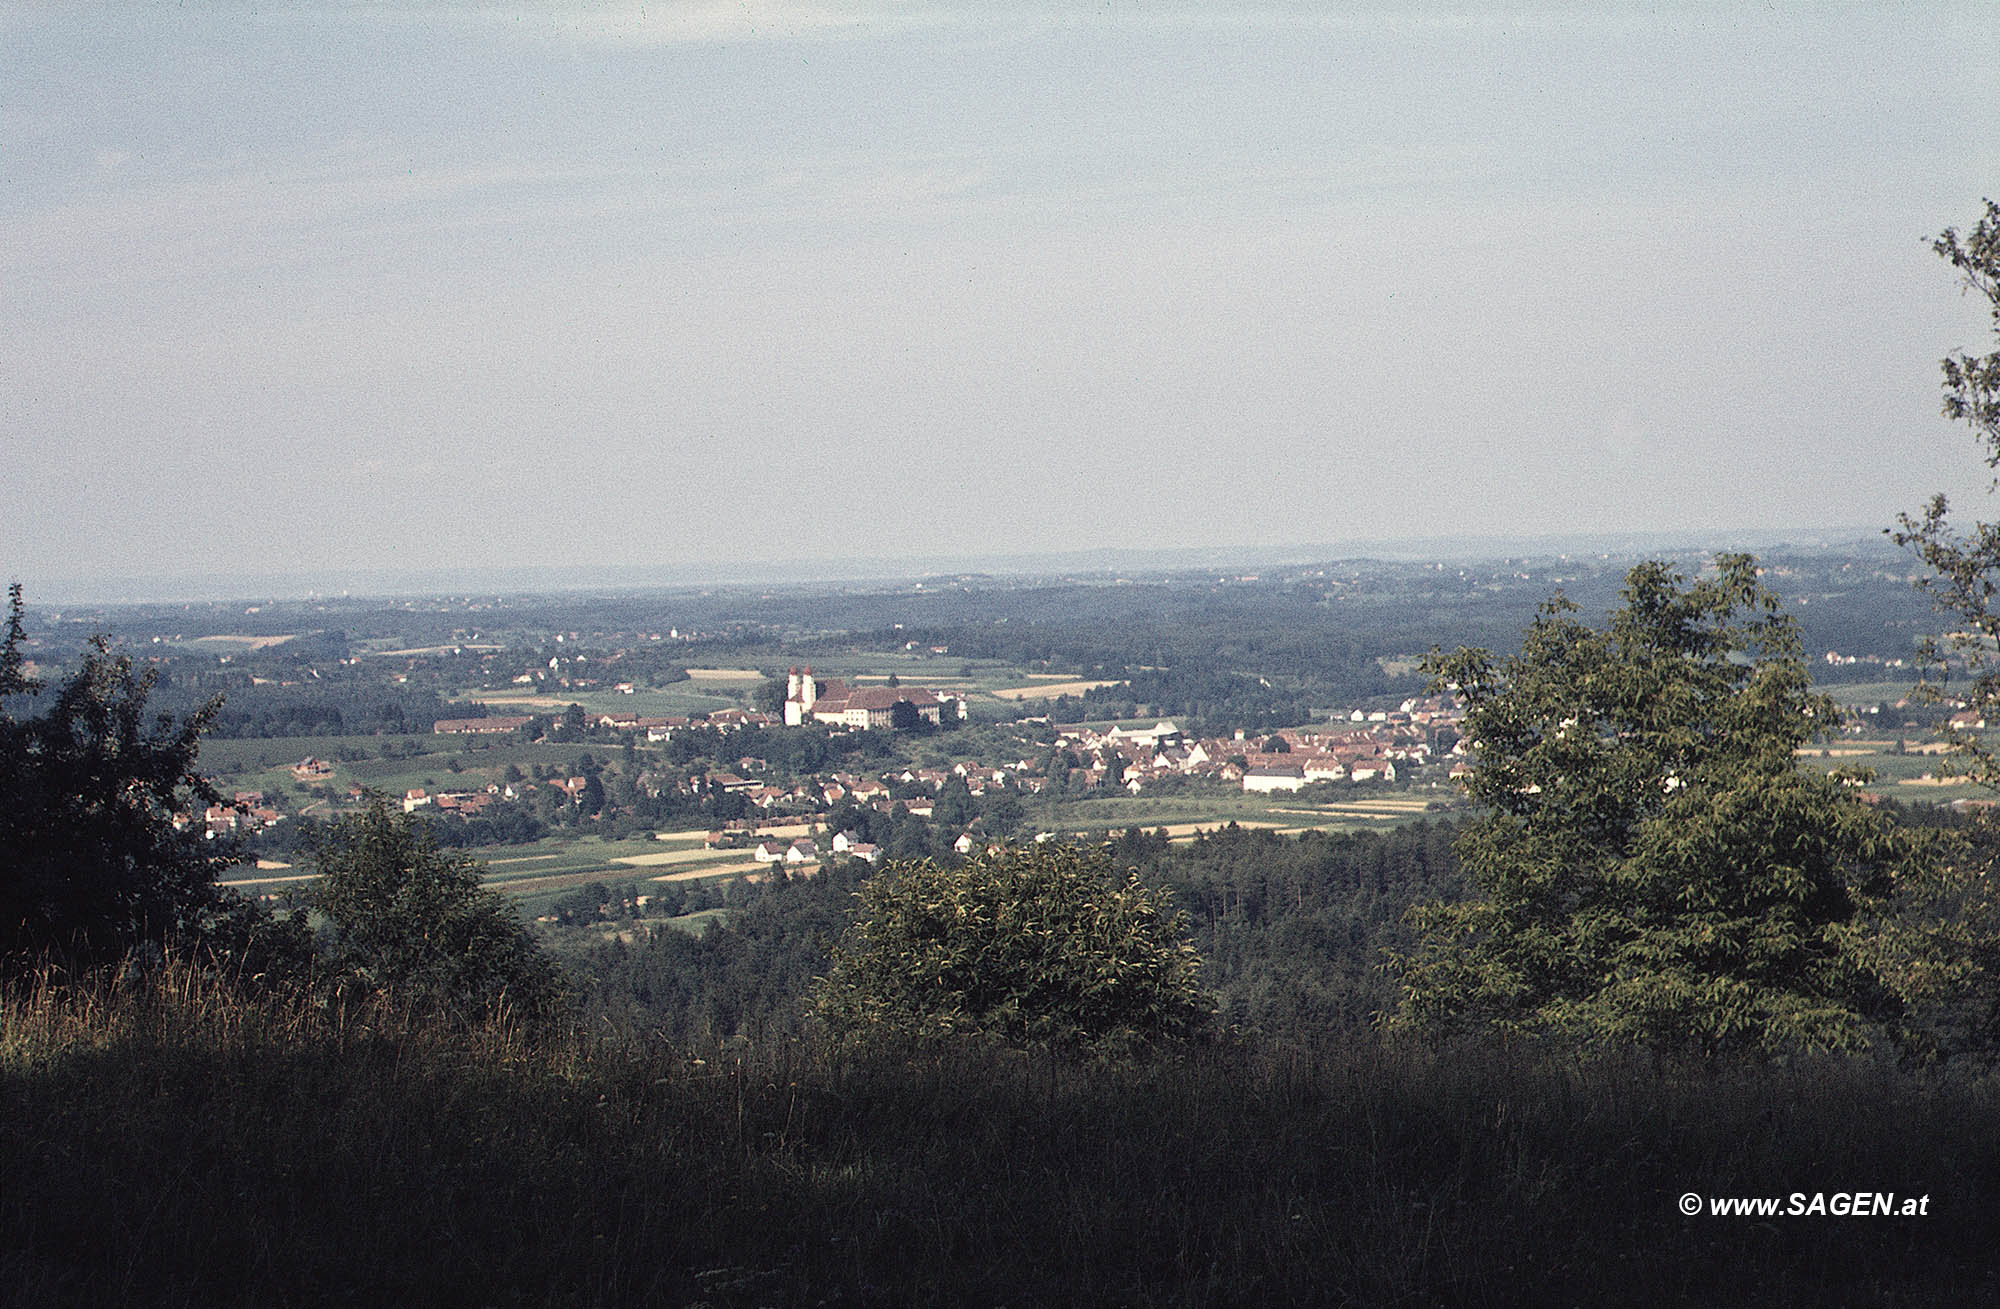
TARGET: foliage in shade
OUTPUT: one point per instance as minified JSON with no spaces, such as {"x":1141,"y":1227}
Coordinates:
{"x":169,"y":1145}
{"x":1040,"y":944}
{"x":1656,"y":867}
{"x":90,"y":860}
{"x":411,"y":921}
{"x":1963,"y":566}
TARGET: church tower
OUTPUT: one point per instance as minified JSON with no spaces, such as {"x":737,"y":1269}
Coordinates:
{"x":800,"y":693}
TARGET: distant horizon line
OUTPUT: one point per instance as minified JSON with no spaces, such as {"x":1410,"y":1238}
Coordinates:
{"x":530,"y":579}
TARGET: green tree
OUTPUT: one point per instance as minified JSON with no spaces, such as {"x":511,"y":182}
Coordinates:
{"x":954,"y":809}
{"x":1962,"y":580}
{"x":91,"y":860}
{"x":1039,"y":944}
{"x":414,"y":923}
{"x":1963,"y":566}
{"x":1655,"y":866}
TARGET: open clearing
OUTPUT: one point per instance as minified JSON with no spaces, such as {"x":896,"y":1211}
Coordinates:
{"x":1047,"y":689}
{"x":1382,"y":809}
{"x":725,"y":675}
{"x":725,"y":870}
{"x":503,"y":697}
{"x":242,"y":642}
{"x":432,"y":650}
{"x":1188,"y":831}
{"x":660,"y":857}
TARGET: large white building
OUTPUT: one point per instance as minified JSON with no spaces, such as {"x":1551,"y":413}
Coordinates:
{"x":1275,"y":777}
{"x":814,"y":700}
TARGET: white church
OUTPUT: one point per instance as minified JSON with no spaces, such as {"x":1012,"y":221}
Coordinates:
{"x":809,"y":699}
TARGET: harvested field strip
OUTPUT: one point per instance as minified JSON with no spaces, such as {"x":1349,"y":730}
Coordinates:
{"x":1365,"y":808}
{"x":1188,"y":831}
{"x":430,"y":650}
{"x":660,"y":857}
{"x":493,"y":698}
{"x":243,"y":642}
{"x":727,"y":870}
{"x":1046,"y":689}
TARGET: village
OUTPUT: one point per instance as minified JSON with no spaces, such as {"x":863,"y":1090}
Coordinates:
{"x":965,"y":793}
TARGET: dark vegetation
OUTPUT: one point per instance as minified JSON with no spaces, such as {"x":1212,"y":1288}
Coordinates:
{"x":1656,"y":867}
{"x":170,"y":1147}
{"x":1290,"y":929}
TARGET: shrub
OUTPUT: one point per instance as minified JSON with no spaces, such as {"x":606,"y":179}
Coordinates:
{"x":410,"y":921}
{"x":1043,"y":944}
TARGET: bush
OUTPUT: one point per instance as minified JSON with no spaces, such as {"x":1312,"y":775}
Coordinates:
{"x":1045,"y":944}
{"x":91,"y":861}
{"x":414,"y":923}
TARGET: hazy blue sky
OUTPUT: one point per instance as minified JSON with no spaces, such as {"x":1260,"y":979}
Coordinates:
{"x":408,"y":286}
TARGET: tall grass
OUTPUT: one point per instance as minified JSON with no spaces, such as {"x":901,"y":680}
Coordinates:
{"x":164,"y":1141}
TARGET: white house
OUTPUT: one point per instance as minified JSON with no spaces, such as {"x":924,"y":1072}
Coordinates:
{"x":1275,"y":777}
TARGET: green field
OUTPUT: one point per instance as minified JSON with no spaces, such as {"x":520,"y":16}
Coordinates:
{"x":677,"y":698}
{"x":538,"y":873}
{"x":1864,"y":694}
{"x":1918,"y":775}
{"x":1286,"y":812}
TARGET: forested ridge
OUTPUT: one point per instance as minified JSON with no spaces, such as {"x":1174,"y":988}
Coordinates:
{"x":1291,"y":930}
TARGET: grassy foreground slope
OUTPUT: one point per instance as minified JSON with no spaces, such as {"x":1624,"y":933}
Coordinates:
{"x":165,"y":1143}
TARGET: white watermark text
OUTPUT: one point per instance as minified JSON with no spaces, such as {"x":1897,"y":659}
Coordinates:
{"x":1802,"y":1204}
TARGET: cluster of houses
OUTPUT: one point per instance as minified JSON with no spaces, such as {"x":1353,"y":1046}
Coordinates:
{"x":657,"y":727}
{"x":1384,"y":747}
{"x":247,"y":811}
{"x":1367,"y":747}
{"x":808,"y":699}
{"x":463,"y":803}
{"x":495,"y":725}
{"x":806,"y":851}
{"x":1380,"y":746}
